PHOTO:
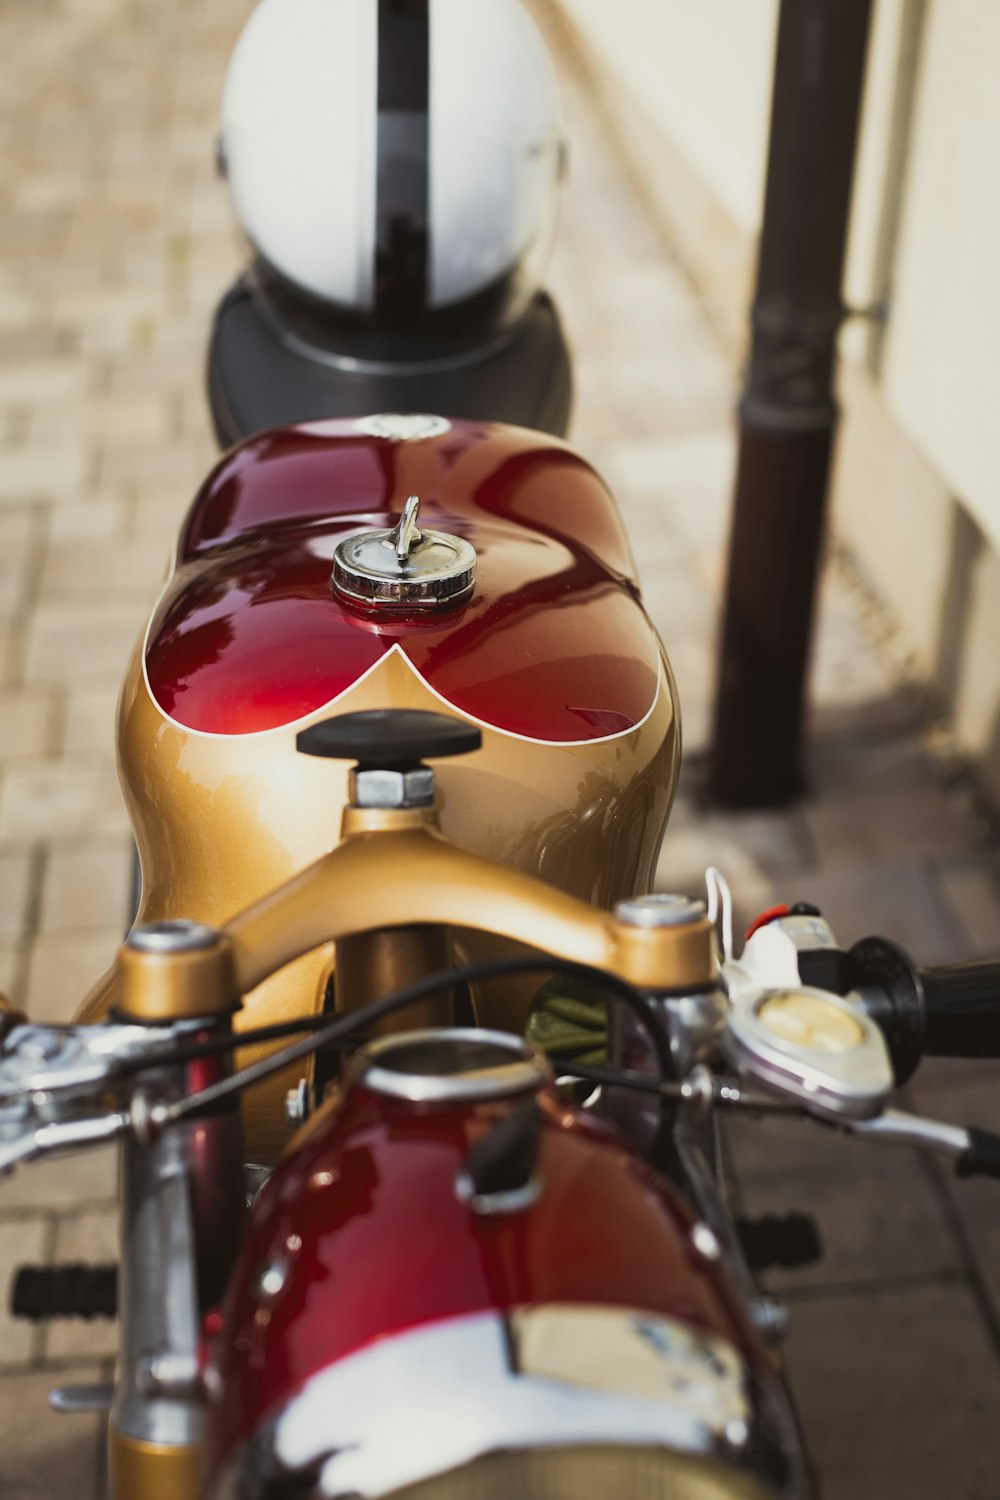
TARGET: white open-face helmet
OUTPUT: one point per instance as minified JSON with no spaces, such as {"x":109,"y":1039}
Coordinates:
{"x":396,"y":161}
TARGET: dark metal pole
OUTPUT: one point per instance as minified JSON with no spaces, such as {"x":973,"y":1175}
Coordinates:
{"x":788,"y":413}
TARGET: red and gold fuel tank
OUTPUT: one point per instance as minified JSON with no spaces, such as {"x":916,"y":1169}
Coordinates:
{"x":458,"y":1284}
{"x":552,"y":656}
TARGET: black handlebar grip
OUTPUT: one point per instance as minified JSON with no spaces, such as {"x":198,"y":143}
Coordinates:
{"x":983,"y":1156}
{"x":962,"y":1009}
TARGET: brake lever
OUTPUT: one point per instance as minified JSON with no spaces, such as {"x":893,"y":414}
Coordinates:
{"x":976,"y":1153}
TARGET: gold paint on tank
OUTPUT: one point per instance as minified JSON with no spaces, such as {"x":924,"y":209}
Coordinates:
{"x":221,"y":821}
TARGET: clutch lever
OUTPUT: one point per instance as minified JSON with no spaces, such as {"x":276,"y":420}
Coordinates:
{"x":58,"y":1085}
{"x":77,"y":1061}
{"x":976,"y":1153}
{"x":26,"y":1138}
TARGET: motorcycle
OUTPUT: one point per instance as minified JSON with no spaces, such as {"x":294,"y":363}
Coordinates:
{"x":457,"y":1276}
{"x":375,"y":1242}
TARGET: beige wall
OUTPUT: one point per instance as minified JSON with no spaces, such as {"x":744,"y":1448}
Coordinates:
{"x":702,"y":73}
{"x":942,"y":370}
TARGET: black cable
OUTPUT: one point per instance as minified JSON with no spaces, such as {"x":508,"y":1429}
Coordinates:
{"x":230,"y":1041}
{"x":644,"y":1083}
{"x":367,"y":1015}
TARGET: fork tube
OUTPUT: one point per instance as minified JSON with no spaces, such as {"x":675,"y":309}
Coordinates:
{"x":373,"y":964}
{"x":156,"y":1421}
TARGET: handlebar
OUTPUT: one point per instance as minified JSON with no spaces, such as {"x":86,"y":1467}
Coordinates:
{"x":962,"y":1009}
{"x":946,"y":1010}
{"x":792,"y":1041}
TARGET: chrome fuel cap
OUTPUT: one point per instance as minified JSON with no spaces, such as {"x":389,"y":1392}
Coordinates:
{"x":404,"y":566}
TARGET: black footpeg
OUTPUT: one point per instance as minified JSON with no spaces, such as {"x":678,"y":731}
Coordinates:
{"x":71,"y":1291}
{"x":787,"y":1242}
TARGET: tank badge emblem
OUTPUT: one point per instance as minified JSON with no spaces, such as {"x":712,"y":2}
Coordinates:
{"x":403,"y":427}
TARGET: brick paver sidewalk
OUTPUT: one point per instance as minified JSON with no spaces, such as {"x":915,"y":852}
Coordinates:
{"x":115,"y":243}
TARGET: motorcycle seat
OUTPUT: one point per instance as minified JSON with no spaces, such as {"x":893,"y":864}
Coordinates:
{"x":262,"y":375}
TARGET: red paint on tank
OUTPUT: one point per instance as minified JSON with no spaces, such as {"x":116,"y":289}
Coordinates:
{"x":366,"y":1221}
{"x":554,"y":643}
